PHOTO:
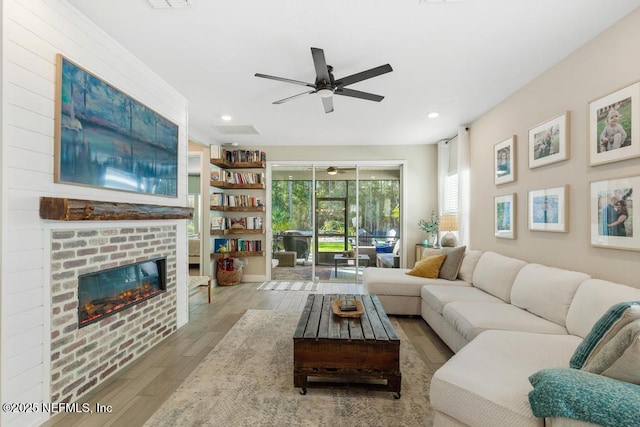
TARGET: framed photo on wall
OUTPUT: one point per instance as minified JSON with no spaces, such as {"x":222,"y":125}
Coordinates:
{"x":505,"y":216}
{"x":549,"y":141}
{"x":614,"y":122}
{"x":504,"y":159}
{"x":549,"y":209}
{"x":613,"y":213}
{"x":105,"y":138}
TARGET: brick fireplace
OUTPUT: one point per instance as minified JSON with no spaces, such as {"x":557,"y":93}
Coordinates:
{"x":82,"y":358}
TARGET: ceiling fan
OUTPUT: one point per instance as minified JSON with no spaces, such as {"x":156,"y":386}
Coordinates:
{"x":326,"y":85}
{"x":332,"y":170}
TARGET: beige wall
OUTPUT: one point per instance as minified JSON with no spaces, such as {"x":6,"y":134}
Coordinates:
{"x":420,"y":177}
{"x":604,"y":65}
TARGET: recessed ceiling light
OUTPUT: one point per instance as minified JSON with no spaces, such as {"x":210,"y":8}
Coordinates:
{"x":433,"y":115}
{"x":226,"y":117}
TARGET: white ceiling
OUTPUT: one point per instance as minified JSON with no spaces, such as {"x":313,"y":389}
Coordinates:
{"x":457,"y":58}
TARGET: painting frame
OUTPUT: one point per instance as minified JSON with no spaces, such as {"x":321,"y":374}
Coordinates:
{"x":549,"y":141}
{"x":504,"y":216}
{"x":504,"y":161}
{"x":548,"y":209}
{"x":605,"y":233}
{"x":106,"y":139}
{"x":616,"y":144}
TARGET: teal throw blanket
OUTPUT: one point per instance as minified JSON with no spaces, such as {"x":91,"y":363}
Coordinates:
{"x":580,"y":395}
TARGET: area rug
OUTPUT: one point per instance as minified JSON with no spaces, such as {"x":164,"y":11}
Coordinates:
{"x":300,"y":272}
{"x":276,"y":285}
{"x":247,"y":380}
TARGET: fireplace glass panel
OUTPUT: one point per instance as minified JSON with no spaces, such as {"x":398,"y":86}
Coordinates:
{"x":106,"y":292}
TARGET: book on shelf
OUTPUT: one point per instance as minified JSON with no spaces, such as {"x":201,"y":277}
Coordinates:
{"x":238,"y":224}
{"x":221,"y":243}
{"x":254,"y":223}
{"x":217,"y":223}
{"x":215,"y":151}
{"x":244,"y":156}
{"x":215,"y":175}
{"x":217,"y":199}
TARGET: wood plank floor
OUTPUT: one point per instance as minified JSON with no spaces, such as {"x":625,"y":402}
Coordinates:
{"x":139,"y":390}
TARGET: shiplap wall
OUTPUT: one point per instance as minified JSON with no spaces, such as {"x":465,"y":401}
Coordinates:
{"x":34,"y":31}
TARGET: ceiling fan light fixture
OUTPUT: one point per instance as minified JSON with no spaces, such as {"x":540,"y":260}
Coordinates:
{"x":332,"y":170}
{"x":325,"y":93}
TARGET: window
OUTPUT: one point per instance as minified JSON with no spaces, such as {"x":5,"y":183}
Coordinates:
{"x":451,"y":195}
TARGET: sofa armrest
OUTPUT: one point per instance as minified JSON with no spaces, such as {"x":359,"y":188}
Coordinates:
{"x":583,"y":396}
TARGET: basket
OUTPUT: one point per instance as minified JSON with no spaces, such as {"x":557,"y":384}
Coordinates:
{"x":228,"y":278}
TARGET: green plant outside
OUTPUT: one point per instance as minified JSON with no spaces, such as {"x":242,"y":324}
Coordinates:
{"x":332,"y":246}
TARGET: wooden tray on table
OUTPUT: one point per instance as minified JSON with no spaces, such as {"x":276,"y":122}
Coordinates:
{"x":336,"y":304}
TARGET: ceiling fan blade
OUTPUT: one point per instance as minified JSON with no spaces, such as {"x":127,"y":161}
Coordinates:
{"x":358,"y":94}
{"x":282,"y":79}
{"x":364,"y":75}
{"x":322,"y":71}
{"x":328,"y":104}
{"x":292,"y":97}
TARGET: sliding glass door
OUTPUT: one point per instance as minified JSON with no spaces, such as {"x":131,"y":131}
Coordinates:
{"x":329,"y":222}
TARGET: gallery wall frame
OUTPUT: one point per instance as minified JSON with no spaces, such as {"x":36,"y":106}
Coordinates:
{"x":105,"y":138}
{"x":549,"y":141}
{"x":548,"y":209}
{"x":504,"y":222}
{"x":504,"y":161}
{"x":612,"y":213}
{"x":614,"y":126}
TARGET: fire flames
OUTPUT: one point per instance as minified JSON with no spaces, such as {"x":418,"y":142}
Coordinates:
{"x":101,"y":307}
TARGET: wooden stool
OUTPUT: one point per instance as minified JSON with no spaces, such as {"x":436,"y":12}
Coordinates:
{"x":200,"y":281}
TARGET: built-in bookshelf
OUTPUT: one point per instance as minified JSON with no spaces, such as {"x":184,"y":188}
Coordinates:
{"x":236,"y":247}
{"x":236,"y":225}
{"x":237,"y":202}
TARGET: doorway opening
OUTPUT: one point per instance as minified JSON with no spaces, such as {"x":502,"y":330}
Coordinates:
{"x":328,"y":223}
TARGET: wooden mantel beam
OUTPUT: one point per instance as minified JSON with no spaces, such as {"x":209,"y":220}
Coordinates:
{"x":63,"y":209}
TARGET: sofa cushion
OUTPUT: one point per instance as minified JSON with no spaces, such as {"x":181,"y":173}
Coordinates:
{"x":428,"y":267}
{"x":452,"y":262}
{"x":451,"y":265}
{"x":620,"y":357}
{"x":437,"y":296}
{"x":495,"y":274}
{"x":469,"y":262}
{"x":485,"y":383}
{"x":546,"y":291}
{"x":472,"y":318}
{"x":593,"y":298}
{"x":617,"y":317}
{"x":394,"y":281}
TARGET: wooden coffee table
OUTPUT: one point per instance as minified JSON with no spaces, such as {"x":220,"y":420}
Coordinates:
{"x":332,"y":351}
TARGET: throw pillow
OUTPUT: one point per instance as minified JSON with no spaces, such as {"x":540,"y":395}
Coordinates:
{"x":616,"y":318}
{"x":620,"y":357}
{"x":428,"y":267}
{"x":451,"y":265}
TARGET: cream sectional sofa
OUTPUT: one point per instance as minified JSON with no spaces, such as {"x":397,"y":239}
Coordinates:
{"x":505,"y":319}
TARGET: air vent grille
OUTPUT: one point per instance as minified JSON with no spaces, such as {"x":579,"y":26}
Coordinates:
{"x":236,"y":130}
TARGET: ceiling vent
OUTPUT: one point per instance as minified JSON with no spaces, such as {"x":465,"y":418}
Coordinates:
{"x":236,"y":130}
{"x":166,"y":4}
